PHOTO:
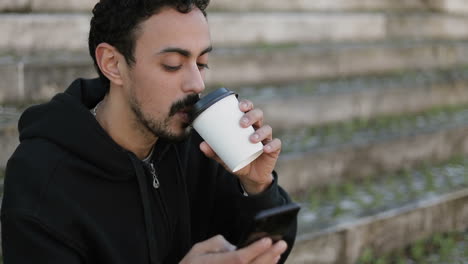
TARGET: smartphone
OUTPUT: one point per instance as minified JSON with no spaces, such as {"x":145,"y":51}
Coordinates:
{"x":271,"y":223}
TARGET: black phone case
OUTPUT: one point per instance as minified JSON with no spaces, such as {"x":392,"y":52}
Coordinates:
{"x":271,"y":222}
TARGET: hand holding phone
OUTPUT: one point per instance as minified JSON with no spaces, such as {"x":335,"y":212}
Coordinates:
{"x":272,"y":222}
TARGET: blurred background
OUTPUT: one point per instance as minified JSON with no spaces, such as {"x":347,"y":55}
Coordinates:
{"x":370,"y":99}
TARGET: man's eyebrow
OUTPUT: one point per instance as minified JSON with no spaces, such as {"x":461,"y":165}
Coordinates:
{"x":209,"y":49}
{"x":184,"y":52}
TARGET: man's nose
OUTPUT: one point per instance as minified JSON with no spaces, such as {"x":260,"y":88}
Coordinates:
{"x":194,"y":81}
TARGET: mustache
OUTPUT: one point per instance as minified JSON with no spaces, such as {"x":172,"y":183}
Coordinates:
{"x":188,"y":101}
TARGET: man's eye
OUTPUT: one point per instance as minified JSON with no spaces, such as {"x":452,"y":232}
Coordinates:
{"x":171,"y":68}
{"x":202,"y":66}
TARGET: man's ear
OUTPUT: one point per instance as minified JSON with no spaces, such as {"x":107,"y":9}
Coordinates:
{"x":107,"y":58}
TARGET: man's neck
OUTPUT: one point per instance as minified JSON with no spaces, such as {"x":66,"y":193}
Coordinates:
{"x":120,"y":123}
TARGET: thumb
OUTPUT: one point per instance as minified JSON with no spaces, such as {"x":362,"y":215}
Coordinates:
{"x":207,"y":150}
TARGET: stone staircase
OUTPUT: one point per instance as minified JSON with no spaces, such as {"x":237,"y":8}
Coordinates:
{"x":359,"y":91}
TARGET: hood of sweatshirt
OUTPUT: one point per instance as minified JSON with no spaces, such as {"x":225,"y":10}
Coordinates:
{"x":66,"y":120}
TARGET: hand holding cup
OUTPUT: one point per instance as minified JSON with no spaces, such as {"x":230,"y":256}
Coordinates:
{"x":236,"y":137}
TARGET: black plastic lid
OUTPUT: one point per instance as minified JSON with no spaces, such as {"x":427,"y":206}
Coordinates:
{"x":208,"y":100}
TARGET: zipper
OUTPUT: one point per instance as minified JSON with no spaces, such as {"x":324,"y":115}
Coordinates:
{"x":155,"y":176}
{"x":159,"y":199}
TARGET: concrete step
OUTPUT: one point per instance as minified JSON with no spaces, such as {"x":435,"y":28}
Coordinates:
{"x":357,"y":149}
{"x":233,"y":29}
{"x":448,"y":247}
{"x":280,"y":28}
{"x":338,"y":203}
{"x":30,"y":33}
{"x":384,"y":231}
{"x":249,"y":5}
{"x":318,"y":102}
{"x":37,"y":77}
{"x":46,"y":5}
{"x":8,"y":135}
{"x":453,"y":6}
{"x":275,"y":64}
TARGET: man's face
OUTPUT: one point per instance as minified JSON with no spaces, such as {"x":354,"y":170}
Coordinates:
{"x":171,"y":56}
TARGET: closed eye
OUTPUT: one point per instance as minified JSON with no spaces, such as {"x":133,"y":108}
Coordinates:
{"x":202,"y":66}
{"x":171,"y":68}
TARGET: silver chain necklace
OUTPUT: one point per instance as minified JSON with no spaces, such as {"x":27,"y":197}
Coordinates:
{"x":93,"y":111}
{"x":146,"y":160}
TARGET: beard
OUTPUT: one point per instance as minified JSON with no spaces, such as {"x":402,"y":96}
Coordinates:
{"x":161,"y":127}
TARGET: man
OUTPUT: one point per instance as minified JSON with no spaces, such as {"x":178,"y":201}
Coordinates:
{"x":109,"y":171}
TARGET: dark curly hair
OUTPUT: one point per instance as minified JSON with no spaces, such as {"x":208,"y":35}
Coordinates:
{"x":116,"y":22}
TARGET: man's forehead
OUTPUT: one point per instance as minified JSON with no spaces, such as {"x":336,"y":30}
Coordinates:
{"x":172,"y":29}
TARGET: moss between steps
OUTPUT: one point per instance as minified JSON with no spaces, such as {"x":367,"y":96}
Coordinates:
{"x":406,"y":78}
{"x":339,"y":203}
{"x":444,"y":248}
{"x":305,"y":139}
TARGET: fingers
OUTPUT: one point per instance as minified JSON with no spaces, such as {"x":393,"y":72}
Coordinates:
{"x":262,"y":251}
{"x":219,"y":250}
{"x":272,"y":146}
{"x":253,"y":251}
{"x":252,"y":118}
{"x":245,"y":105}
{"x":213,"y":250}
{"x":262,"y":134}
{"x":216,"y":244}
{"x":209,"y":152}
{"x":245,"y":255}
{"x":273,"y":255}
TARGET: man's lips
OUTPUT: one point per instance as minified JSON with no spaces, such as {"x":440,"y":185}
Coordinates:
{"x":185,"y":113}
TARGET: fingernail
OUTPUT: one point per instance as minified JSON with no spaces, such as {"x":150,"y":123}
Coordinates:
{"x":245,"y":121}
{"x":281,"y":246}
{"x":244,"y":105}
{"x":265,"y":240}
{"x":231,"y":248}
{"x":256,"y":136}
{"x":267,"y":148}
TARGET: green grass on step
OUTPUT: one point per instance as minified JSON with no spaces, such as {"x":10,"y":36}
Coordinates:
{"x":440,"y":248}
{"x":305,"y":139}
{"x":338,"y":202}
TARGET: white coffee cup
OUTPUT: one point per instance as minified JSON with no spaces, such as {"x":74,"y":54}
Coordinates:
{"x":216,"y":117}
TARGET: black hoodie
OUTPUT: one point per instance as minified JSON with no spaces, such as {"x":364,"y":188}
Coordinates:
{"x":72,"y":195}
